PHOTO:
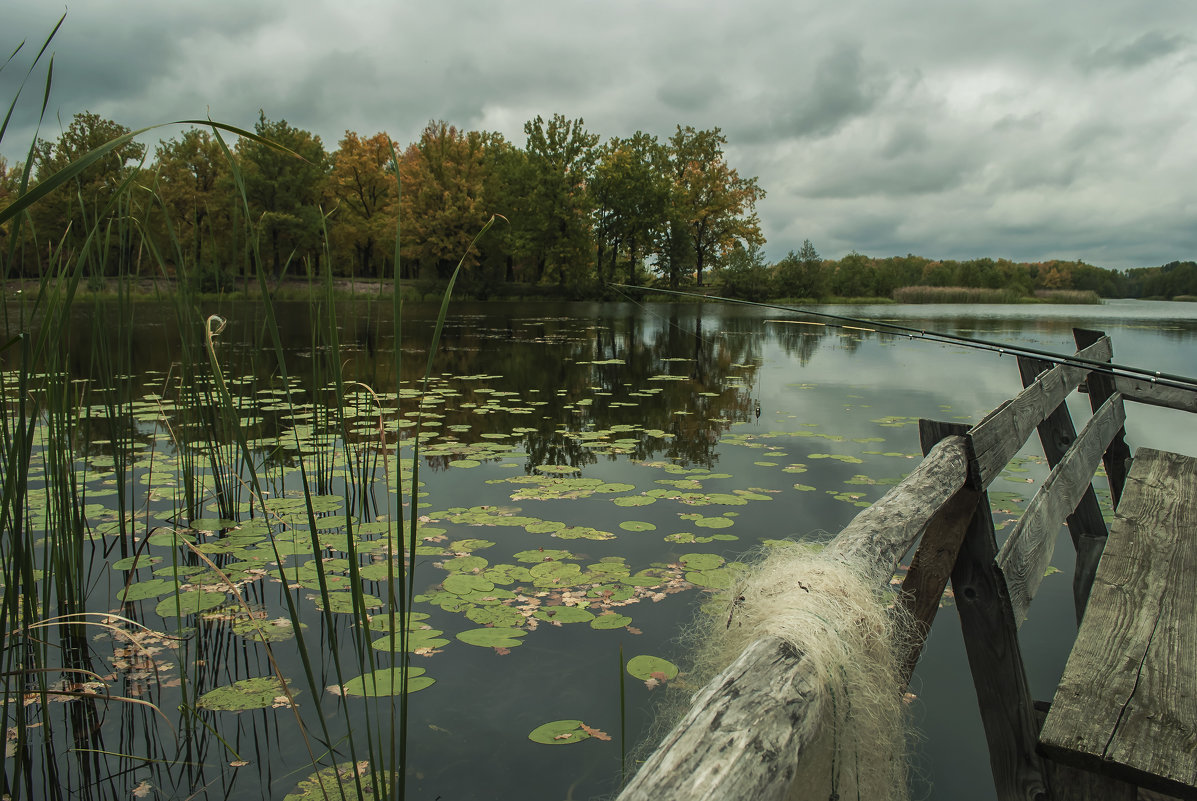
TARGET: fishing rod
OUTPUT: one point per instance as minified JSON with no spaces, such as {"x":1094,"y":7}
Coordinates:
{"x":1112,"y":368}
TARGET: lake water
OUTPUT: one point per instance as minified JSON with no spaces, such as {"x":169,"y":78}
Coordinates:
{"x":588,"y":471}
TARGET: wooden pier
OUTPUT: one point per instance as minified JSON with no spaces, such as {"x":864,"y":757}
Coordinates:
{"x":1123,"y":723}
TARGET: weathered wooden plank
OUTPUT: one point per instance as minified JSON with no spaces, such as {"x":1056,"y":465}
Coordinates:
{"x":1028,"y":550}
{"x":999,"y":436}
{"x":931,"y":565}
{"x":1142,"y":390}
{"x":1073,"y":784}
{"x":881,"y":535}
{"x":743,"y":734}
{"x":1101,"y":387}
{"x":1127,"y":703}
{"x":995,"y":660}
{"x":741,"y":737}
{"x":1086,"y":525}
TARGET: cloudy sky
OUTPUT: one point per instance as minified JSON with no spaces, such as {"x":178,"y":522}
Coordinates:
{"x":949,"y":129}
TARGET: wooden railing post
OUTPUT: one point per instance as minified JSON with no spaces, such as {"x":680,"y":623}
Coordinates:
{"x":1086,"y":525}
{"x":931,"y":565}
{"x":995,"y":661}
{"x":1101,"y":387}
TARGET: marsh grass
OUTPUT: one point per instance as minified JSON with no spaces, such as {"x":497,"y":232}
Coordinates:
{"x":955,"y":294}
{"x":1067,"y":296}
{"x":49,"y":562}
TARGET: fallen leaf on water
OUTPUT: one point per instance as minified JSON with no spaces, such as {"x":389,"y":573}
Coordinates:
{"x":564,"y":736}
{"x":501,"y":651}
{"x":634,"y":630}
{"x":597,"y":734}
{"x":143,"y":789}
{"x":651,"y":683}
{"x":240,"y":763}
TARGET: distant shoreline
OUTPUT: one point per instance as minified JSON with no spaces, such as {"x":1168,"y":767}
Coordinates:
{"x":141,"y":289}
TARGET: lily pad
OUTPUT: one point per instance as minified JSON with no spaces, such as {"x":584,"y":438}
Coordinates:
{"x":150,"y":588}
{"x":134,"y":562}
{"x":190,"y":602}
{"x":559,"y":732}
{"x":643,"y":667}
{"x":276,"y":630}
{"x":556,"y":469}
{"x":340,"y":781}
{"x":610,"y":621}
{"x":498,"y":637}
{"x":701,"y":561}
{"x":637,"y":525}
{"x":464,"y":583}
{"x":256,"y":693}
{"x":387,"y":682}
{"x":342,"y":602}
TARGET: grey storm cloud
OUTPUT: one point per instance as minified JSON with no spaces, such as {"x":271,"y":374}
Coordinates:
{"x":1022,"y":130}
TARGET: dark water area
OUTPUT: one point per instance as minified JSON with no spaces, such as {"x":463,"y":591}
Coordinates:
{"x":604,"y":430}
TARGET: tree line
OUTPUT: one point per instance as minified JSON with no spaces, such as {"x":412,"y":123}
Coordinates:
{"x":578,"y":212}
{"x":805,"y":275}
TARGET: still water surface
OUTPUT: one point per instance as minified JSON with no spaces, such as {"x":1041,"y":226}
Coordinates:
{"x":790,"y":428}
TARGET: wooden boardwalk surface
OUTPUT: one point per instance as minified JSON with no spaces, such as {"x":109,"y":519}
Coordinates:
{"x":1127,"y":703}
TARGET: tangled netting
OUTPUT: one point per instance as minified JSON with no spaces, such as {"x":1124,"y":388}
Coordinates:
{"x":856,"y":640}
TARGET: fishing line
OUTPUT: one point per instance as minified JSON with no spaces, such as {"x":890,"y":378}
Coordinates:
{"x":1111,"y":368}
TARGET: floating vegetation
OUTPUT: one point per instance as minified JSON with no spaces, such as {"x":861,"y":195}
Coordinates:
{"x":239,"y":696}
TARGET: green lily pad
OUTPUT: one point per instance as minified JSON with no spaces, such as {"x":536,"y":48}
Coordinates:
{"x":543,"y":555}
{"x":420,"y":638}
{"x":559,"y":732}
{"x":134,"y":562}
{"x":634,"y":500}
{"x":556,"y":469}
{"x":637,"y":525}
{"x":387,"y":682}
{"x":701,"y":561}
{"x":499,"y":616}
{"x":340,"y":781}
{"x":256,"y":693}
{"x":277,"y":630}
{"x":544,"y":527}
{"x":498,"y":637}
{"x":342,"y":602}
{"x":610,"y":621}
{"x":643,"y":667}
{"x":190,"y":602}
{"x":150,"y":588}
{"x":464,"y":583}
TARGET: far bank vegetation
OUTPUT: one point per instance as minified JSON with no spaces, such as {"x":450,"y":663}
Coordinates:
{"x":578,"y":214}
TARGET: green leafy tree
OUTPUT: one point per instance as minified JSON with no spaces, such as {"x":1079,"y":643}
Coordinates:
{"x":744,"y":274}
{"x":441,"y":208}
{"x":284,"y":189}
{"x":631,"y":195}
{"x":193,"y":182}
{"x":554,"y":230}
{"x":363,"y":189}
{"x":800,"y":275}
{"x":854,"y":277}
{"x":94,"y":199}
{"x":715,"y":205}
